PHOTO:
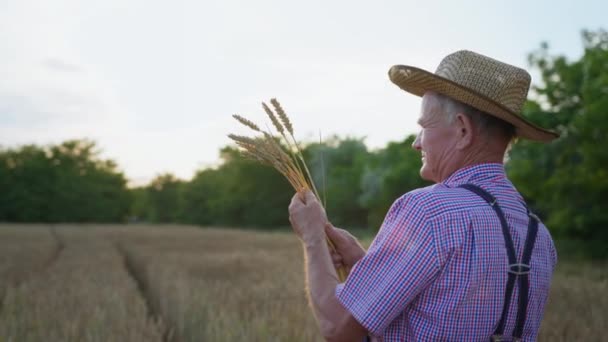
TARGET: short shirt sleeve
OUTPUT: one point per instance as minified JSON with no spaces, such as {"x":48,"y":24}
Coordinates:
{"x":400,"y":263}
{"x":553,"y":254}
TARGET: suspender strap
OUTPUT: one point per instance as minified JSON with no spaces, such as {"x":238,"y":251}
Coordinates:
{"x":524,"y":281}
{"x":515,"y":269}
{"x":510,"y":252}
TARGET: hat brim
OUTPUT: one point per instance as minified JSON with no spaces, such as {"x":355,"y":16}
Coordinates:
{"x":417,"y":81}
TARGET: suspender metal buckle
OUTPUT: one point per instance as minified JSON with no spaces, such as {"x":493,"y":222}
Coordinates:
{"x":519,"y":269}
{"x":515,"y":269}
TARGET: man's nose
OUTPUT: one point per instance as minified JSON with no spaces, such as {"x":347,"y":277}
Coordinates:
{"x":416,"y":144}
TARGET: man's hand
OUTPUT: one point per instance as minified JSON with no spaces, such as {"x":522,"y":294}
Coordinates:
{"x":309,"y":220}
{"x":307,"y":217}
{"x":348,"y":249}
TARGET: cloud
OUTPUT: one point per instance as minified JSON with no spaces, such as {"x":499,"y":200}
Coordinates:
{"x":59,"y":65}
{"x":49,"y":93}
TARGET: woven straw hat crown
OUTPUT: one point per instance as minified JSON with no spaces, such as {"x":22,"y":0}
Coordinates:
{"x":494,"y":87}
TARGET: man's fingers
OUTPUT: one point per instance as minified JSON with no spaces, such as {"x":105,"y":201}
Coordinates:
{"x":330,"y":231}
{"x":304,"y":198}
{"x":309,"y":197}
{"x":295,"y":200}
{"x":334,"y":234}
{"x":336,"y":258}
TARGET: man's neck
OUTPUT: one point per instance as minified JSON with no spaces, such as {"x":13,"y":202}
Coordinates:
{"x":470,"y":159}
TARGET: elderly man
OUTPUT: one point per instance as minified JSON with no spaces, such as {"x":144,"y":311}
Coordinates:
{"x":461,"y":260}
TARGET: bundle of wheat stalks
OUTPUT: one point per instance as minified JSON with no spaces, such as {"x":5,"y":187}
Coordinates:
{"x":288,"y":160}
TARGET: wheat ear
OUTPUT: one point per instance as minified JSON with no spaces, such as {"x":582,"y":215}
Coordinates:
{"x":279,"y":127}
{"x":342,"y":274}
{"x":268,"y":150}
{"x":285,"y":119}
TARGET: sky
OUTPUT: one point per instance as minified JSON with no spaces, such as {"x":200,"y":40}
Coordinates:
{"x":154,"y":83}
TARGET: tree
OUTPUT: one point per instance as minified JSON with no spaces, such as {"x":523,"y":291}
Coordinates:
{"x":337,"y":167}
{"x":239,"y":192}
{"x":68,"y":182}
{"x":163,"y":199}
{"x":568,"y":179}
{"x":392,"y":172}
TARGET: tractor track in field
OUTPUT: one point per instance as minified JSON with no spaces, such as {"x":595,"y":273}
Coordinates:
{"x":59,"y":247}
{"x":136,"y":272}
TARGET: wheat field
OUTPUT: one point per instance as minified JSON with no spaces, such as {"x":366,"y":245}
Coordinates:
{"x":180,"y":283}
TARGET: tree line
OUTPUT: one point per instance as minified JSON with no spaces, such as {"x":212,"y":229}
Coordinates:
{"x":566,"y":181}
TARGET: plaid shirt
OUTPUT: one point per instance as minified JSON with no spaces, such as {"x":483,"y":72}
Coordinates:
{"x":437,"y":270}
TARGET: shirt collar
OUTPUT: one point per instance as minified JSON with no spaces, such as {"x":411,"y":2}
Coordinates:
{"x":475,"y":174}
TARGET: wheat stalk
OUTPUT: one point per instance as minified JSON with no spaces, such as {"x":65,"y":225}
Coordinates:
{"x":267,"y":149}
{"x":279,"y":127}
{"x":285,"y":119}
{"x":323,"y":171}
{"x":268,"y":152}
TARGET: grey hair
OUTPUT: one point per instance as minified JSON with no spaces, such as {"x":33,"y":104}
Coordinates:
{"x":486,"y":124}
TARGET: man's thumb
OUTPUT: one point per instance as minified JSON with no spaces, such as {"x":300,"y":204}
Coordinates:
{"x":309,"y":196}
{"x":333,"y":233}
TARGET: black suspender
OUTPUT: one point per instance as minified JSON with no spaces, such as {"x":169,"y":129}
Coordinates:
{"x":516,"y":270}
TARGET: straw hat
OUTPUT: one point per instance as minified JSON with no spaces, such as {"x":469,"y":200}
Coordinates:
{"x":496,"y":88}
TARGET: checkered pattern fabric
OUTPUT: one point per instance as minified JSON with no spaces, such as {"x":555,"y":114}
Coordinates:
{"x":437,"y":270}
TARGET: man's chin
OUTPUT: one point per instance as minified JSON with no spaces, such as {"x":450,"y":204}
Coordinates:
{"x":424,"y":174}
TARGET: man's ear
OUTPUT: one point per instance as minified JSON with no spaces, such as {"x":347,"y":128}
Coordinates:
{"x":465,"y":133}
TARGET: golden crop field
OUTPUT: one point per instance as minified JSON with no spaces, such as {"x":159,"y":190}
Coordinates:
{"x":180,"y":283}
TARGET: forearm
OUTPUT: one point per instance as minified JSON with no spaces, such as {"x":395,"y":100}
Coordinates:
{"x":322,"y":280}
{"x":308,"y":220}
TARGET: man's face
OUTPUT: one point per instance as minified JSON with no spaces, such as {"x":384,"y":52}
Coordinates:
{"x":435,"y":141}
